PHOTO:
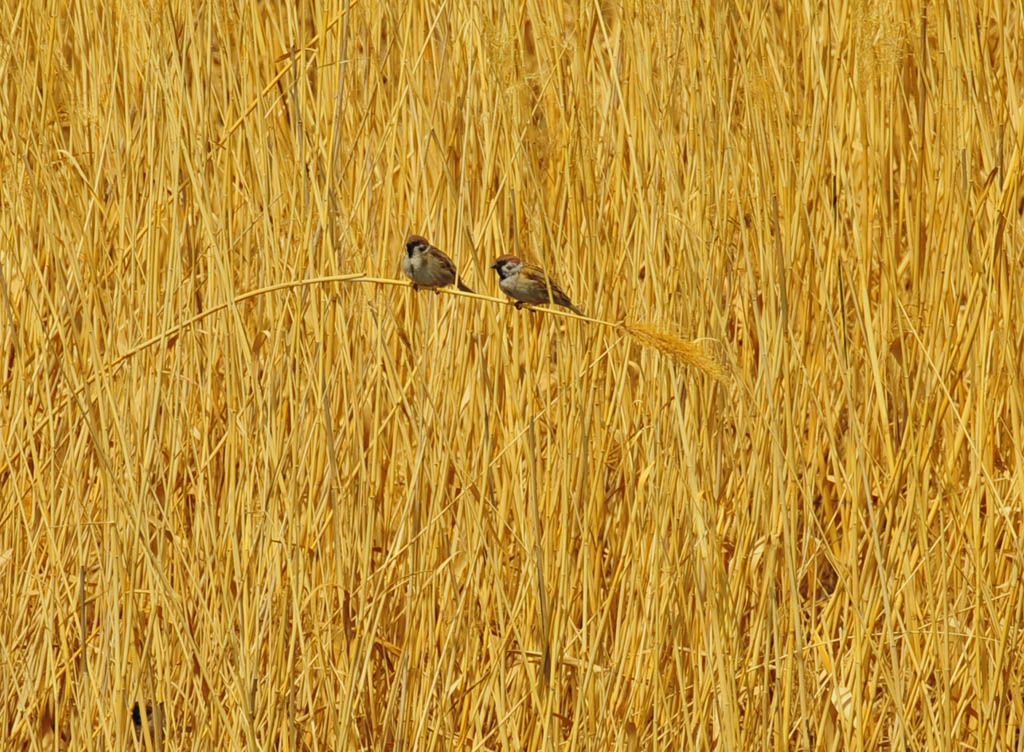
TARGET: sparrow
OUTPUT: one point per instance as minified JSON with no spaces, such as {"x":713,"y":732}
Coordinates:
{"x":428,"y":266}
{"x":149,"y":719}
{"x":529,"y":284}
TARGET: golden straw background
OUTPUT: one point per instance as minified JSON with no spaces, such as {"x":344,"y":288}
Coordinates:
{"x":769,"y":498}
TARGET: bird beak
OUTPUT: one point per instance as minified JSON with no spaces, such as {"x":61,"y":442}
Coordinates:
{"x":494,"y":265}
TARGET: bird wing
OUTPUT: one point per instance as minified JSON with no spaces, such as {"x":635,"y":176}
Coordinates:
{"x":538,"y":275}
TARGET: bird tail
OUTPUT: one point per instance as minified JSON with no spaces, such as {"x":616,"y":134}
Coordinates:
{"x":462,"y":287}
{"x":574,"y":309}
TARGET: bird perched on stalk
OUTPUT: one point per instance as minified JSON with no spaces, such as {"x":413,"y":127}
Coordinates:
{"x":527,"y":283}
{"x":428,"y":266}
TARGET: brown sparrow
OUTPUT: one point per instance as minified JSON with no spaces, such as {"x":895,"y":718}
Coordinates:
{"x":529,"y":284}
{"x":149,"y":719}
{"x":428,"y":266}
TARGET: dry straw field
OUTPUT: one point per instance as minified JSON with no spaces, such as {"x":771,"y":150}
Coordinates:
{"x":768,"y":497}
